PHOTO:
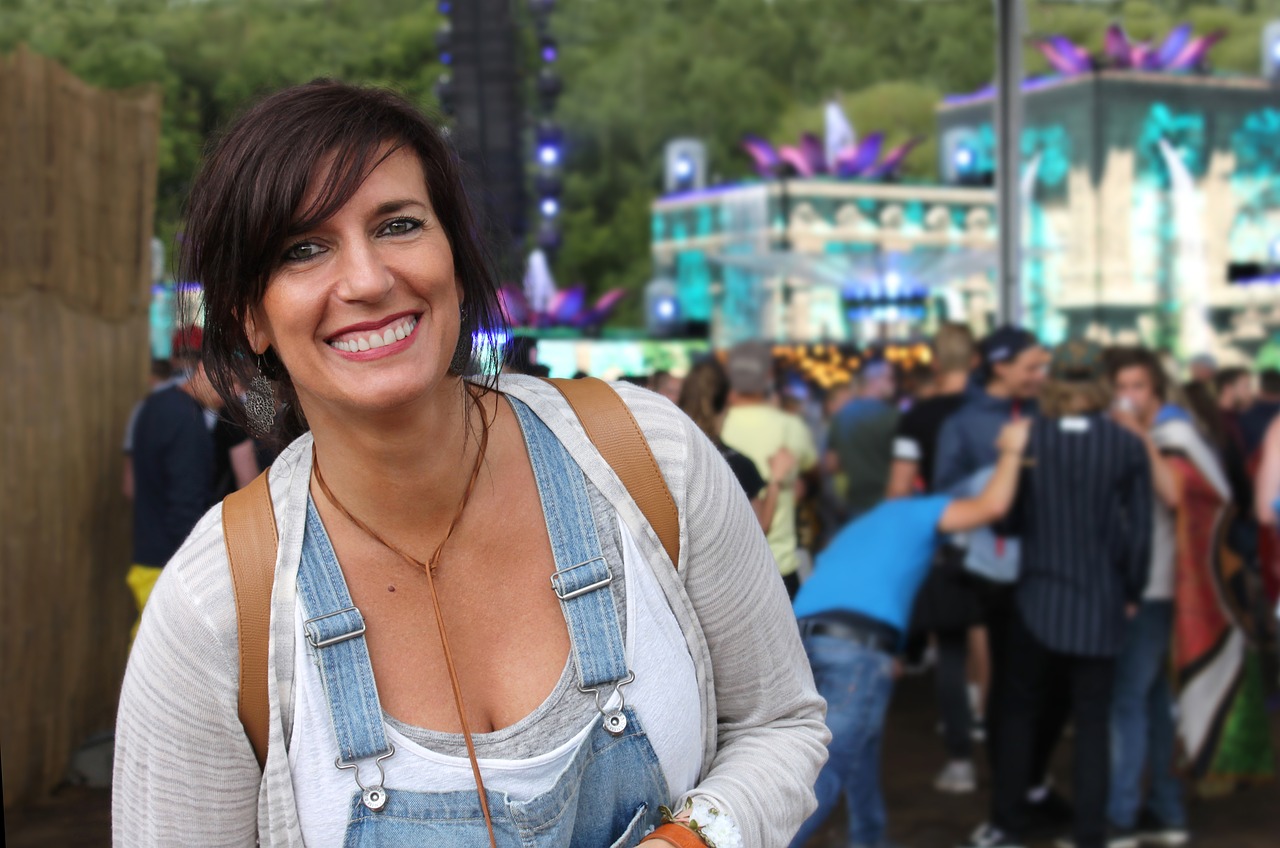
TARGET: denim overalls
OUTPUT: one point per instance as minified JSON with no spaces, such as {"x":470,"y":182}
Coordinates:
{"x":608,"y":795}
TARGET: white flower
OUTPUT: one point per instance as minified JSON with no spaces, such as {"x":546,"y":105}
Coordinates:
{"x":716,"y":828}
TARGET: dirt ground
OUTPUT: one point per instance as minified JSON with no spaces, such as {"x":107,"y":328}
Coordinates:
{"x":919,"y":817}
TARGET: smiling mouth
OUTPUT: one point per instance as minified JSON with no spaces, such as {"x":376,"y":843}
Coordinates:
{"x":371,"y":340}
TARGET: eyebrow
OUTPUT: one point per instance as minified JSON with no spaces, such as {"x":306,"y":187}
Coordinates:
{"x":390,"y":206}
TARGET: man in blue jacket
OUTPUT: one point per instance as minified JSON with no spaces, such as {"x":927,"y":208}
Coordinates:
{"x":1013,"y":369}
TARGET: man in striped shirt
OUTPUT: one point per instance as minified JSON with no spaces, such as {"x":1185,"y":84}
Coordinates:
{"x":1084,"y":513}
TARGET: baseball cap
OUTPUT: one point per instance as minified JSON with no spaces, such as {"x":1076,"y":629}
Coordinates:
{"x":749,"y":367}
{"x":1076,"y":360}
{"x":1004,"y":344}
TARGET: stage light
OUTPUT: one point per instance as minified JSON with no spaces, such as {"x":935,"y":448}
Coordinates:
{"x":550,"y":207}
{"x":684,"y":165}
{"x":964,"y":158}
{"x":549,"y":154}
{"x":549,"y":50}
{"x":892,"y":283}
{"x":665,"y":308}
{"x":1271,"y":51}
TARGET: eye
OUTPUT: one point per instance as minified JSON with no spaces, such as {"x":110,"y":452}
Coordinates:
{"x":301,"y":252}
{"x":402,"y":226}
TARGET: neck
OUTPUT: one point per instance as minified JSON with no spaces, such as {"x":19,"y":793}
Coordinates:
{"x":737,"y":399}
{"x":952,"y":382}
{"x":999,"y":390}
{"x":401,"y":467}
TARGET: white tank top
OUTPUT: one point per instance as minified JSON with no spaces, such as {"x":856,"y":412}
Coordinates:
{"x":664,"y":695}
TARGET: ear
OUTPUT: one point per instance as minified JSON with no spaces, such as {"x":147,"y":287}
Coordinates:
{"x":258,"y":339}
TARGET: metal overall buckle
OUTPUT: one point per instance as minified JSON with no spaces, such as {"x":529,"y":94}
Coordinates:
{"x":614,"y":721}
{"x":374,"y":797}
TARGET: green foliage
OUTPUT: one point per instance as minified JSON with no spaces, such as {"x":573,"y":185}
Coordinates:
{"x":211,"y":58}
{"x":637,"y":73}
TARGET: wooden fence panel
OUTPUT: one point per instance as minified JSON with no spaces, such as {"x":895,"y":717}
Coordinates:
{"x":77,"y":198}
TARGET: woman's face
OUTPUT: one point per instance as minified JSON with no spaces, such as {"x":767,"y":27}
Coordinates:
{"x":363,"y":310}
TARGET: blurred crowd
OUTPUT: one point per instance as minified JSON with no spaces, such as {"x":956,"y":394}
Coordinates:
{"x":1126,"y":593}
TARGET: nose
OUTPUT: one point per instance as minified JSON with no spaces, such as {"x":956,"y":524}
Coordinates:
{"x":363,"y":275}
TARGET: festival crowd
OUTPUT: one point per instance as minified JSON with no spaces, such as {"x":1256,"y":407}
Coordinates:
{"x":1072,"y":536}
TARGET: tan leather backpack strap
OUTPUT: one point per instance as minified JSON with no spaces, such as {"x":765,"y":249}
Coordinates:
{"x":614,"y":431}
{"x":249,"y":530}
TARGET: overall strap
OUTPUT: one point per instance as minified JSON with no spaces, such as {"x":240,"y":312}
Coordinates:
{"x":335,"y":630}
{"x":582,"y":576}
{"x":614,"y":431}
{"x":249,"y":531}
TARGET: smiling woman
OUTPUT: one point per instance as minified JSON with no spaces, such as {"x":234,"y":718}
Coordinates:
{"x":462,"y":594}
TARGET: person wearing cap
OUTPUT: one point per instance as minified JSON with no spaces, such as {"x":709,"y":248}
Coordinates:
{"x":1009,"y":378}
{"x":1084,"y":515}
{"x":755,"y":427}
{"x":1202,"y":368}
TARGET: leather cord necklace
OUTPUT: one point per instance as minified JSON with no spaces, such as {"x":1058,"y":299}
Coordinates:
{"x":429,"y":568}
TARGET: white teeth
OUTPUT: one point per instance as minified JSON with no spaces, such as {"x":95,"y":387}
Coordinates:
{"x":376,"y":340}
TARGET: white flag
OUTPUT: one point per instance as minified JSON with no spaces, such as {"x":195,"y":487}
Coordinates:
{"x":840,"y":134}
{"x":539,"y":288}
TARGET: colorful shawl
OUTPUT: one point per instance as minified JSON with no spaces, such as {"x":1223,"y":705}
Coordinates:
{"x":1222,"y":721}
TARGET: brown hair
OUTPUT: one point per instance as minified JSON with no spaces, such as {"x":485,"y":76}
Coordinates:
{"x":1118,"y":359}
{"x":703,"y":396}
{"x":1226,"y":377}
{"x":1073,"y":397}
{"x":1204,"y":409}
{"x":247,"y":202}
{"x":954,"y":348}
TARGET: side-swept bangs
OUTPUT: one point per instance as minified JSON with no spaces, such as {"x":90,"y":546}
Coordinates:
{"x":248,"y":202}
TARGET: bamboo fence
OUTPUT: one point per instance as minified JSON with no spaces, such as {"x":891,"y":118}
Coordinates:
{"x":77,"y":195}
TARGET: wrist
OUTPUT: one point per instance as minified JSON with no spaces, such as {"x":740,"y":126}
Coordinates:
{"x":678,"y":835}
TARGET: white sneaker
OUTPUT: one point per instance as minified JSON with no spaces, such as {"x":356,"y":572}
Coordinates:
{"x":957,"y":778}
{"x":989,"y":836}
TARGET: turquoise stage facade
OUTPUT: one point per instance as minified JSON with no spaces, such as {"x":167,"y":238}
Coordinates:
{"x":1151,"y":213}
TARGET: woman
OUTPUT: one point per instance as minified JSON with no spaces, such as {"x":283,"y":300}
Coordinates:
{"x":703,"y":397}
{"x":340,"y":263}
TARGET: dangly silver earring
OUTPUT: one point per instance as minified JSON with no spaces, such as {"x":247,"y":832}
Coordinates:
{"x":260,"y":402}
{"x":462,"y":352}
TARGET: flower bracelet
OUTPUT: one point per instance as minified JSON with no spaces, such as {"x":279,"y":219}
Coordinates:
{"x":698,"y":823}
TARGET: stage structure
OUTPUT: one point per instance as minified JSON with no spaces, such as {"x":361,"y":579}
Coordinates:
{"x":826,"y":260}
{"x":1151,"y":202}
{"x":1150,"y":195}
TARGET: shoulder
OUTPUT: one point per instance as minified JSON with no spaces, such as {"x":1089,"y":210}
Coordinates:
{"x":669,"y":432}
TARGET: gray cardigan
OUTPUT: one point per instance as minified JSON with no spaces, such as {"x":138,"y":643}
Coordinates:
{"x":184,"y":770}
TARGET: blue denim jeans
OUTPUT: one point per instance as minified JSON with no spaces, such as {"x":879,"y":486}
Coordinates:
{"x":1142,"y":731}
{"x":857,"y":683}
